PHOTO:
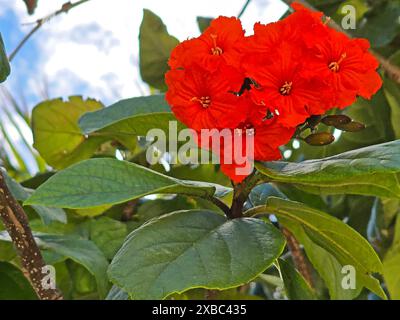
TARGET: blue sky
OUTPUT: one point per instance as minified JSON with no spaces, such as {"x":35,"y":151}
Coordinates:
{"x":93,"y":50}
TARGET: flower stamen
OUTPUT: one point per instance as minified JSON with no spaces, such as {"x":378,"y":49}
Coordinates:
{"x":286,"y":88}
{"x":334,"y":66}
{"x":215,"y":50}
{"x":204,"y":101}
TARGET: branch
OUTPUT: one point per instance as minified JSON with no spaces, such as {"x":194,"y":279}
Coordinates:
{"x":391,"y":70}
{"x":241,"y":192}
{"x":64,"y":9}
{"x":17,"y":226}
{"x":243,"y":9}
{"x":298,"y":256}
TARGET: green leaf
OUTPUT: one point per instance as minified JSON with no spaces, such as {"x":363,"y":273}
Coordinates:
{"x":189,"y":249}
{"x":116,"y":293}
{"x":374,"y":170}
{"x":130,"y":118}
{"x":14,"y":285}
{"x":57,"y":135}
{"x":296,"y":286}
{"x":104,"y":181}
{"x":155,"y":46}
{"x":391,"y":264}
{"x":4,"y":64}
{"x":325,"y":263}
{"x":382,"y":24}
{"x":47,"y":214}
{"x":392,"y":93}
{"x":343,"y":242}
{"x":203,"y":22}
{"x":108,"y":234}
{"x":81,"y":251}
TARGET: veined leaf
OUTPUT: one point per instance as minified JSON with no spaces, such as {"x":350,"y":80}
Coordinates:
{"x":47,"y":214}
{"x":155,"y":46}
{"x":97,"y":182}
{"x":189,"y":249}
{"x":296,"y":286}
{"x":130,"y":118}
{"x":374,"y":170}
{"x":83,"y":252}
{"x":57,"y":135}
{"x":343,"y":242}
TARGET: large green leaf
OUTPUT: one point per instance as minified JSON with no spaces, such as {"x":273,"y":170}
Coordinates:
{"x":14,"y":285}
{"x":4,"y":64}
{"x":155,"y":46}
{"x":296,"y":286}
{"x":105,"y":181}
{"x":324,"y":262}
{"x":189,"y":249}
{"x":47,"y":214}
{"x":373,"y":170}
{"x":130,"y":118}
{"x":57,"y":135}
{"x":343,"y":242}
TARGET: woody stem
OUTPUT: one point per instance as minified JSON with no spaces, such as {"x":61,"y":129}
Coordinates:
{"x":241,"y":192}
{"x":17,"y":226}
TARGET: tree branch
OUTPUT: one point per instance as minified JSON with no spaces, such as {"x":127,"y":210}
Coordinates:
{"x":298,"y":256}
{"x":64,"y":9}
{"x":241,"y":192}
{"x":17,"y":226}
{"x":391,"y":70}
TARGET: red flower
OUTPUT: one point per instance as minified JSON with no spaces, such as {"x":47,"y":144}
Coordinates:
{"x":204,"y":100}
{"x":284,"y":87}
{"x":256,"y":138}
{"x":347,"y":67}
{"x":217,"y":45}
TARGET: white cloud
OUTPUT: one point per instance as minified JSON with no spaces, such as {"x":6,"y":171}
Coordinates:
{"x":93,"y":50}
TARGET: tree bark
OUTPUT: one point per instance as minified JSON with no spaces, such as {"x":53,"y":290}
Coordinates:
{"x":17,"y":226}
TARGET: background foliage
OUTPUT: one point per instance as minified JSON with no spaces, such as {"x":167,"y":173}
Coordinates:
{"x":81,"y":217}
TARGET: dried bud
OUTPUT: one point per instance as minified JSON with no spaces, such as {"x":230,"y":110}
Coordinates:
{"x":353,"y":126}
{"x":319,"y":139}
{"x":336,"y":120}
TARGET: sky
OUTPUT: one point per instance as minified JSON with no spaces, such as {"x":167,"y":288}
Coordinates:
{"x":93,"y":50}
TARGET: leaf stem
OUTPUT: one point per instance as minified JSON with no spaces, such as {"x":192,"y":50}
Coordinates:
{"x":17,"y":226}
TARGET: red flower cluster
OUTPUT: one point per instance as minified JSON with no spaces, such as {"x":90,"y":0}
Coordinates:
{"x":269,"y":82}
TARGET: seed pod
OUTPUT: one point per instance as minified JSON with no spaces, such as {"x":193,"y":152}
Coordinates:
{"x":335,"y":120}
{"x":319,"y":139}
{"x":353,"y":126}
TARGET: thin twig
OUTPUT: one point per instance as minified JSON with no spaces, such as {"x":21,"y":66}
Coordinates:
{"x":243,"y":9}
{"x":17,"y":226}
{"x":64,"y":9}
{"x":392,"y":70}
